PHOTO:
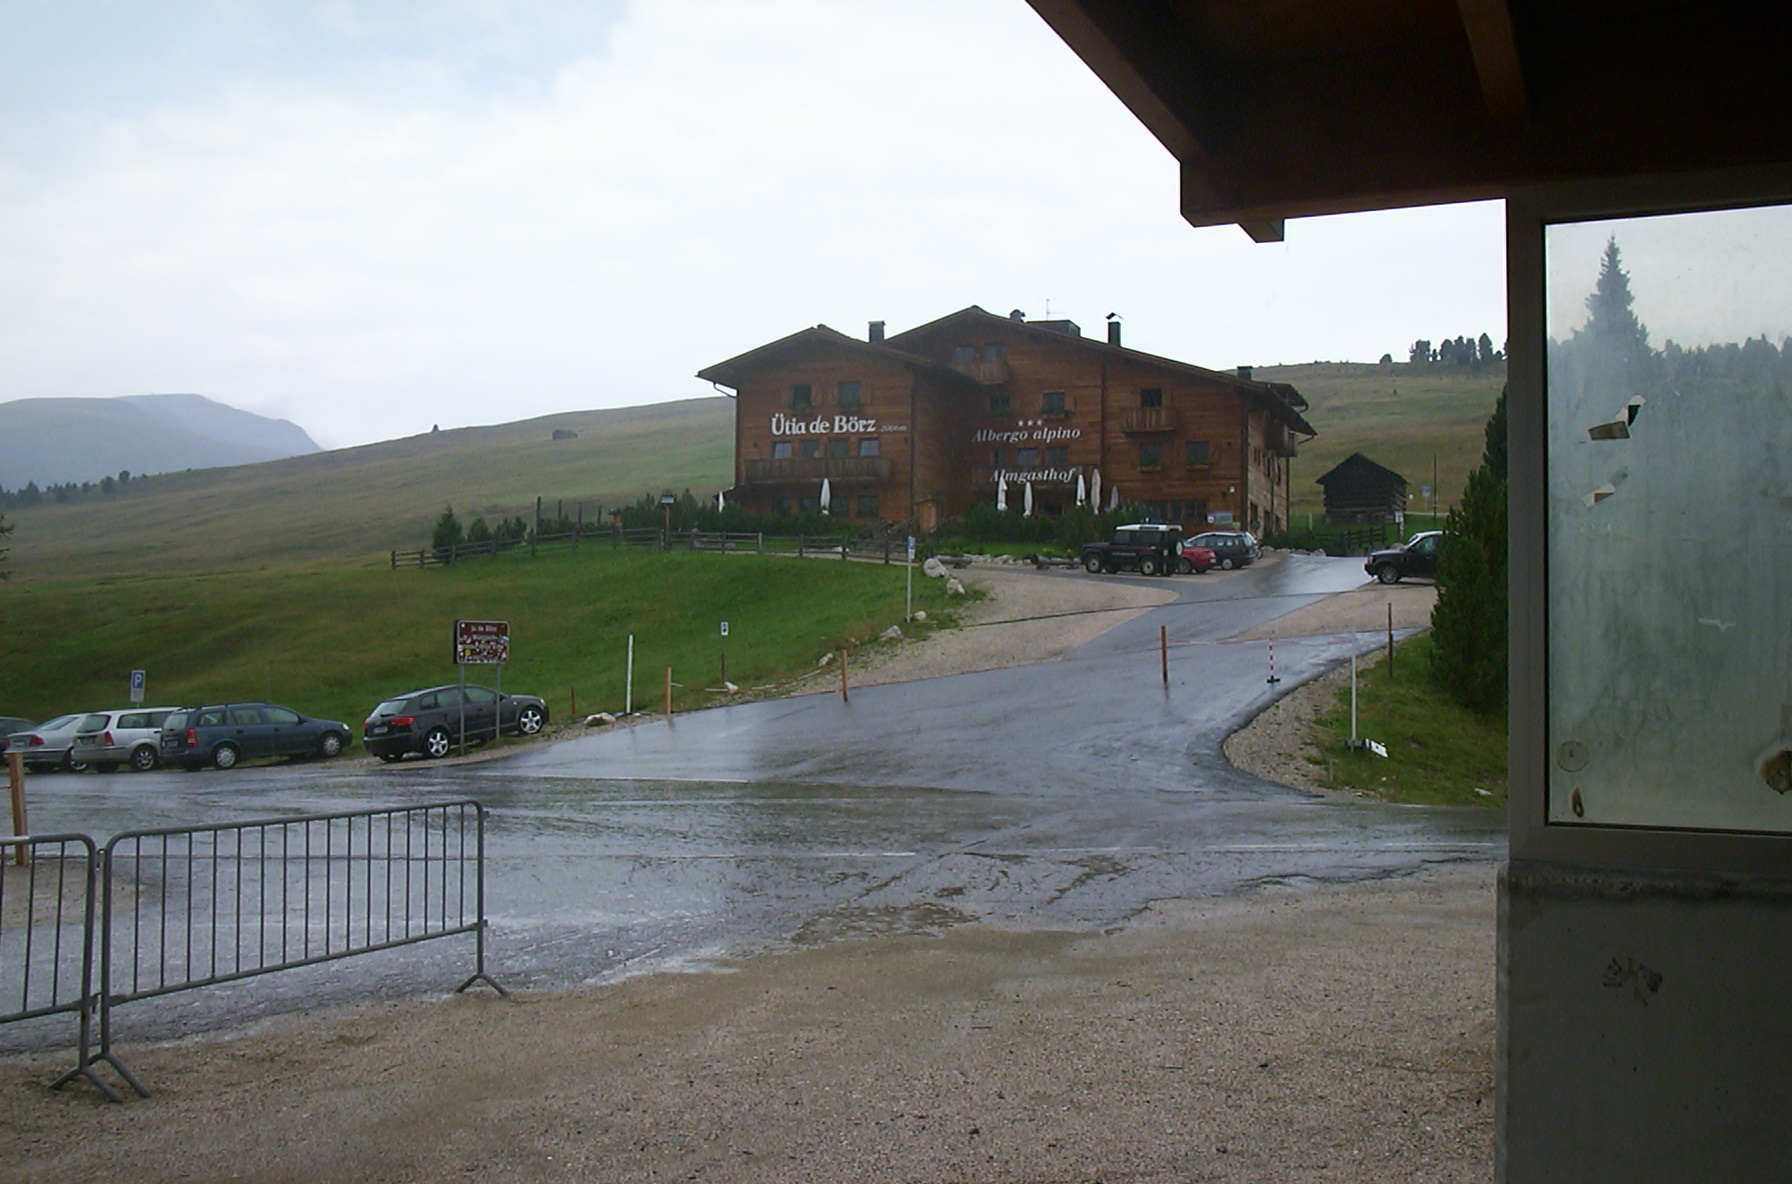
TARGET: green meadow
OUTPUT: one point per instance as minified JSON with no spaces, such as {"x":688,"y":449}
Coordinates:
{"x":333,"y":639}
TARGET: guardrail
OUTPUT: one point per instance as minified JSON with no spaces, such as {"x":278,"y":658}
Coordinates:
{"x":188,"y":907}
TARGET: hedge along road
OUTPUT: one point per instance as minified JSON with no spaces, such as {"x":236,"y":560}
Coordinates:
{"x":1066,"y":794}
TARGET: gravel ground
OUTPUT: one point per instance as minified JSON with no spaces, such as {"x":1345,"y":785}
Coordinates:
{"x":1323,"y":1034}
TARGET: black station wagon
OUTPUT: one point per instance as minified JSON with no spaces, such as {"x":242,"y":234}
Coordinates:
{"x":429,"y":721}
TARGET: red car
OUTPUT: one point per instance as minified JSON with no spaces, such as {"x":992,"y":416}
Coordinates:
{"x":1193,"y":557}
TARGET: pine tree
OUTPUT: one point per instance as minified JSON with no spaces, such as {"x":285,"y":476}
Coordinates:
{"x":1468,"y":626}
{"x":5,"y":529}
{"x":447,"y":532}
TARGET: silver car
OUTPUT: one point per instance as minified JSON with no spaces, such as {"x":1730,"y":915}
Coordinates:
{"x":46,"y":746}
{"x":105,"y":740}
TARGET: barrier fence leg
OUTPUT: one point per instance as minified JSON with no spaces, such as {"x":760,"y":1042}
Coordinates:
{"x":479,"y":974}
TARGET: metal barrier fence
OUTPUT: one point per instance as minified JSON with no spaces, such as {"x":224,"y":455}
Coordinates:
{"x":47,"y":935}
{"x":187,"y":907}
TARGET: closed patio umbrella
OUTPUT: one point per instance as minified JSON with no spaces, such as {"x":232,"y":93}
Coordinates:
{"x":826,"y":496}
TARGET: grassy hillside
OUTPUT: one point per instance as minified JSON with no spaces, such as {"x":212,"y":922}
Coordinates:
{"x":332,"y":640}
{"x":1399,"y":415}
{"x":360,"y":503}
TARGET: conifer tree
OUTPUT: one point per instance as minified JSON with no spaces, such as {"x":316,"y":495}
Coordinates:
{"x":1468,"y":626}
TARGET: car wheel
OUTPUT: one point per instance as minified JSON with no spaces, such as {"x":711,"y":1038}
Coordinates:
{"x":530,"y":719}
{"x":225,"y":756}
{"x":1183,"y":566}
{"x":437,"y":743}
{"x":1149,"y":566}
{"x":1387,"y":573}
{"x":144,"y":759}
{"x":1092,"y":564}
{"x":1226,"y":564}
{"x":329,"y":745}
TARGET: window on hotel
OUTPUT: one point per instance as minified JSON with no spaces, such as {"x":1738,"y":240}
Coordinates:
{"x":995,"y":458}
{"x":1151,"y":454}
{"x":839,"y":447}
{"x":811,"y":505}
{"x":809,"y":449}
{"x":1058,"y":454}
{"x":964,"y":353}
{"x":867,"y":505}
{"x":1151,"y":396}
{"x":1052,"y":403}
{"x":799,"y":396}
{"x":998,"y":404}
{"x":781,"y":505}
{"x":867,"y":445}
{"x":993,"y":352}
{"x":1199,"y":452}
{"x":780,"y":449}
{"x":847,"y":394}
{"x":1026,"y":458}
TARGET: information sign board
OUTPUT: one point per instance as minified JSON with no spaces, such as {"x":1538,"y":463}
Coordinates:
{"x":481,"y":643}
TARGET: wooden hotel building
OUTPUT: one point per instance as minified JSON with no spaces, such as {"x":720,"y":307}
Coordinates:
{"x":975,"y":407}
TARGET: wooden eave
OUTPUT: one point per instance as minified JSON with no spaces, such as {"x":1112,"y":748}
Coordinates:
{"x":818,"y":339}
{"x":1286,"y":108}
{"x":1274,"y":395}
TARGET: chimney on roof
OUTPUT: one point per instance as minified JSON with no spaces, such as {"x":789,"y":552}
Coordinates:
{"x":1113,"y":328}
{"x":1244,"y":372}
{"x":1017,"y":315}
{"x":877,"y":332}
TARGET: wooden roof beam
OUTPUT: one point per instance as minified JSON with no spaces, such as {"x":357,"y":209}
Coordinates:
{"x":1494,"y":45}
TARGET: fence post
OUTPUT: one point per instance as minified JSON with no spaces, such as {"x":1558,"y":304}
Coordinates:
{"x":15,"y":779}
{"x":843,"y":697}
{"x":668,"y":694}
{"x":761,"y":544}
{"x":395,"y":561}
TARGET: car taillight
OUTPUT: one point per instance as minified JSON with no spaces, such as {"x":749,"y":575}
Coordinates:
{"x":402,"y":721}
{"x":35,"y":742}
{"x":106,"y":739}
{"x":192,"y":738}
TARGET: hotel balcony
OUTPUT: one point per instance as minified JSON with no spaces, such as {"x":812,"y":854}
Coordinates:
{"x":988,"y":373}
{"x":1146,"y":421}
{"x":799,"y":470}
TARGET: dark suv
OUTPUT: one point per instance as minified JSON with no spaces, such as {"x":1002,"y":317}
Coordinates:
{"x":225,"y":734}
{"x":429,"y":721}
{"x":1231,"y":548}
{"x":1417,"y":558}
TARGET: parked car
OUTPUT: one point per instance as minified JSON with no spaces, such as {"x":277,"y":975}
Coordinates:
{"x":10,"y":724}
{"x":1149,"y":548}
{"x":1231,"y":548}
{"x":105,"y":740}
{"x":1194,"y":557}
{"x":46,"y":747}
{"x":1418,"y":557}
{"x":226,"y":734}
{"x":428,"y":721}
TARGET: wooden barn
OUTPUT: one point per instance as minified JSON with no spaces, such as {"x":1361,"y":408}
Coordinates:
{"x":1359,"y":490}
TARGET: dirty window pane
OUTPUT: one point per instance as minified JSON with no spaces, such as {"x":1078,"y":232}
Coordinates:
{"x":1670,"y":520}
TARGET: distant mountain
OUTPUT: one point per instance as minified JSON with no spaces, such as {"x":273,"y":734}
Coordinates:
{"x":56,"y":441}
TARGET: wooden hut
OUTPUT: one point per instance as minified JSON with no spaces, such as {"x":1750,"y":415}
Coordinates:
{"x":1359,"y":490}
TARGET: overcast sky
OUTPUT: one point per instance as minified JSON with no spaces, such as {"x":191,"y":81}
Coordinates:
{"x":370,"y":218}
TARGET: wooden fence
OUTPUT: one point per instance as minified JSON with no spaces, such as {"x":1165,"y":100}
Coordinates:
{"x":889,"y":548}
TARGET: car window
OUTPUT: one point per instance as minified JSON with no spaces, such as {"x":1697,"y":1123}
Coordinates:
{"x":134,"y":719}
{"x":176,"y":720}
{"x":51,"y":725}
{"x":279,"y":715}
{"x":93,"y":723}
{"x":429,"y":702}
{"x":390,"y":707}
{"x":481,"y":695}
{"x":211,"y":719}
{"x":245,"y":715}
{"x":448,"y":698}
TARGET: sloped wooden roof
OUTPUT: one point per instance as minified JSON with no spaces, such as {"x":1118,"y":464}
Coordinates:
{"x":1356,"y":467}
{"x":728,"y":373}
{"x":1282,"y":108}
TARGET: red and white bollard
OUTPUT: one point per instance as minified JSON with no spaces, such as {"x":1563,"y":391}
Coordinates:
{"x":1272,"y":662}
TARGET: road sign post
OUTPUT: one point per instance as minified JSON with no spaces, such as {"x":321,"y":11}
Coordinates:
{"x":136,"y":686}
{"x":482,"y":643}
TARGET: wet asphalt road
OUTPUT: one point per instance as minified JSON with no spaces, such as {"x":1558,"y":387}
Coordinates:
{"x":1072,"y":793}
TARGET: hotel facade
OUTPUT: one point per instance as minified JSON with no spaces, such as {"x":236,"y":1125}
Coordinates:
{"x":979,"y":408}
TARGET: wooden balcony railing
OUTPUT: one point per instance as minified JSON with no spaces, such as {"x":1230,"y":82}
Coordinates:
{"x":1148,"y":420}
{"x":791,"y":470}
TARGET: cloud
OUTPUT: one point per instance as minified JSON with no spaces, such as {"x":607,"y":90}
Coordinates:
{"x":387,"y":229}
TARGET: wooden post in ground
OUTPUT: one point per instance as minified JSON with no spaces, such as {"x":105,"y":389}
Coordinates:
{"x":1163,"y":650}
{"x":15,"y":777}
{"x":668,"y":692}
{"x":843,"y":698}
{"x":1390,"y":639}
